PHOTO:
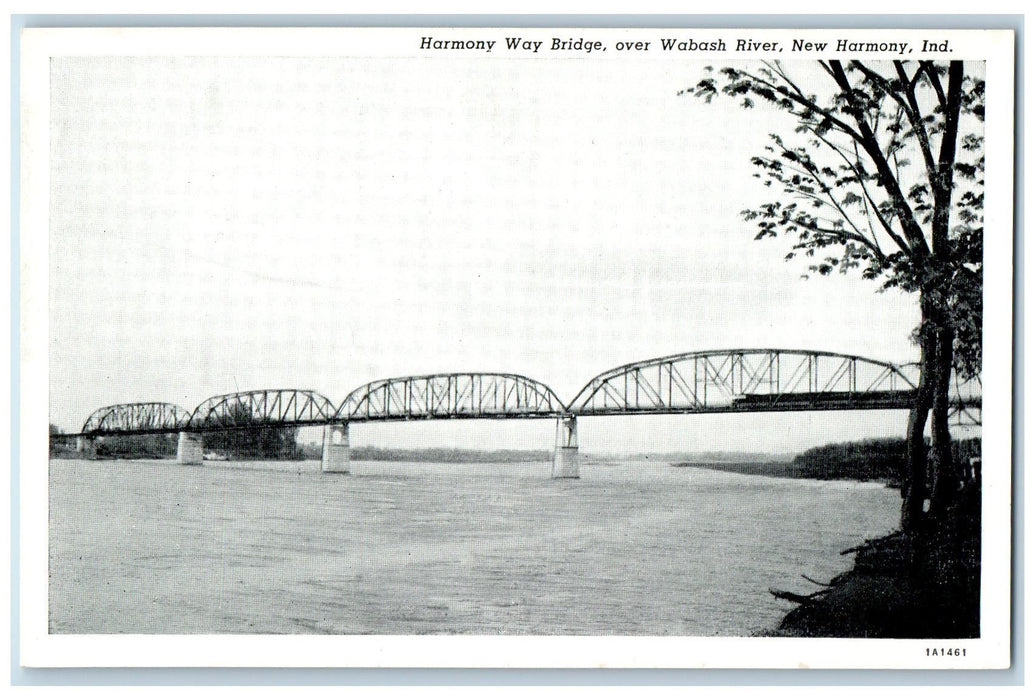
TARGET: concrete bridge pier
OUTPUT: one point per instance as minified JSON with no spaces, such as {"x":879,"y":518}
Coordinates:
{"x":566,"y":451}
{"x":335,"y":458}
{"x":190,"y":449}
{"x":86,"y":447}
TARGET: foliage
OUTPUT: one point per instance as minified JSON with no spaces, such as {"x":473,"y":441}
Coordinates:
{"x":882,"y":459}
{"x":875,"y":459}
{"x":61,"y":445}
{"x":250,"y":441}
{"x":137,"y":446}
{"x":883,"y":174}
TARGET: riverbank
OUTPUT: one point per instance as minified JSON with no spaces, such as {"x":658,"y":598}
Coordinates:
{"x":785,"y":470}
{"x":925,"y":585}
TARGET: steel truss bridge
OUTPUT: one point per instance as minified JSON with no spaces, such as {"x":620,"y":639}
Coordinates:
{"x":712,"y":381}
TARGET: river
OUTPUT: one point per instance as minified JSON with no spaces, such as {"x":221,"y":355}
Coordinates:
{"x":630,"y":548}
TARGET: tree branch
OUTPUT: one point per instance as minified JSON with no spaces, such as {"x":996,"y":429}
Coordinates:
{"x":915,"y":235}
{"x":936,"y":83}
{"x":873,"y":245}
{"x":794,"y":597}
{"x":946,"y":160}
{"x":860,"y":177}
{"x":800,"y":98}
{"x":881,"y":81}
{"x":922,"y":137}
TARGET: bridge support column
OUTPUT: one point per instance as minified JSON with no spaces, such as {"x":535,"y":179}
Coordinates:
{"x":335,"y":458}
{"x":566,"y":451}
{"x":190,"y":449}
{"x":86,"y":447}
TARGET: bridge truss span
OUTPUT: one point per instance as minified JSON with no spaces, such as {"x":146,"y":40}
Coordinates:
{"x":718,"y":381}
{"x":710,"y":381}
{"x":261,"y":408}
{"x":457,"y":395}
{"x":136,"y":419}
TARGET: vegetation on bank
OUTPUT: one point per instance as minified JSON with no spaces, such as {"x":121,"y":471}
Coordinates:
{"x":255,"y":444}
{"x":138,"y":447}
{"x":880,"y":459}
{"x":908,"y":585}
{"x":252,"y":444}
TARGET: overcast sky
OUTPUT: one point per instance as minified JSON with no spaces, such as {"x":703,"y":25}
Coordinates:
{"x":240,"y":223}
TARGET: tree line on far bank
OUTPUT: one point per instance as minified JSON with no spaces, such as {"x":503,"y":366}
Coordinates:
{"x":243,"y":444}
{"x":882,"y":459}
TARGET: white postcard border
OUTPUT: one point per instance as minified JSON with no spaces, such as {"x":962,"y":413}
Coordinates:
{"x":38,"y":648}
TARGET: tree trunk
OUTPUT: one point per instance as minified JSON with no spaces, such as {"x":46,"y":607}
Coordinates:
{"x":945,"y":476}
{"x":914,"y":487}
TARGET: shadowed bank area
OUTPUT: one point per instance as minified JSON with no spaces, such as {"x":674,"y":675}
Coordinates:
{"x":925,"y":584}
{"x":919,"y":584}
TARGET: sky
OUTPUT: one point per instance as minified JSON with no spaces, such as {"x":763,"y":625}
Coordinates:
{"x":221,"y":224}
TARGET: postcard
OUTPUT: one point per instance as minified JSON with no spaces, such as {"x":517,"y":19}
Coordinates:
{"x":493,"y":347}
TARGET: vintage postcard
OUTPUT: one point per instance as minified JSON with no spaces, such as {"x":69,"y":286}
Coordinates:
{"x":496,"y":347}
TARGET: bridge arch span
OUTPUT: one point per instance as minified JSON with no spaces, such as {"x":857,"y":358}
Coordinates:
{"x":760,"y":379}
{"x":454,"y":395}
{"x":263,"y":407}
{"x":136,"y":419}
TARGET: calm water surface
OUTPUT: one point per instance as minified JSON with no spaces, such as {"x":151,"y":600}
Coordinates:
{"x":631,"y":548}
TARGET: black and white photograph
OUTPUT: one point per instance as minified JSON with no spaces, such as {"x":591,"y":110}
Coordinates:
{"x":516,"y":347}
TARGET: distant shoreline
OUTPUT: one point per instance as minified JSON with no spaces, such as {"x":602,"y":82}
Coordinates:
{"x":782,"y":470}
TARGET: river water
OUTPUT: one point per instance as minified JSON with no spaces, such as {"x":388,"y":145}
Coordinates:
{"x":630,"y":548}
